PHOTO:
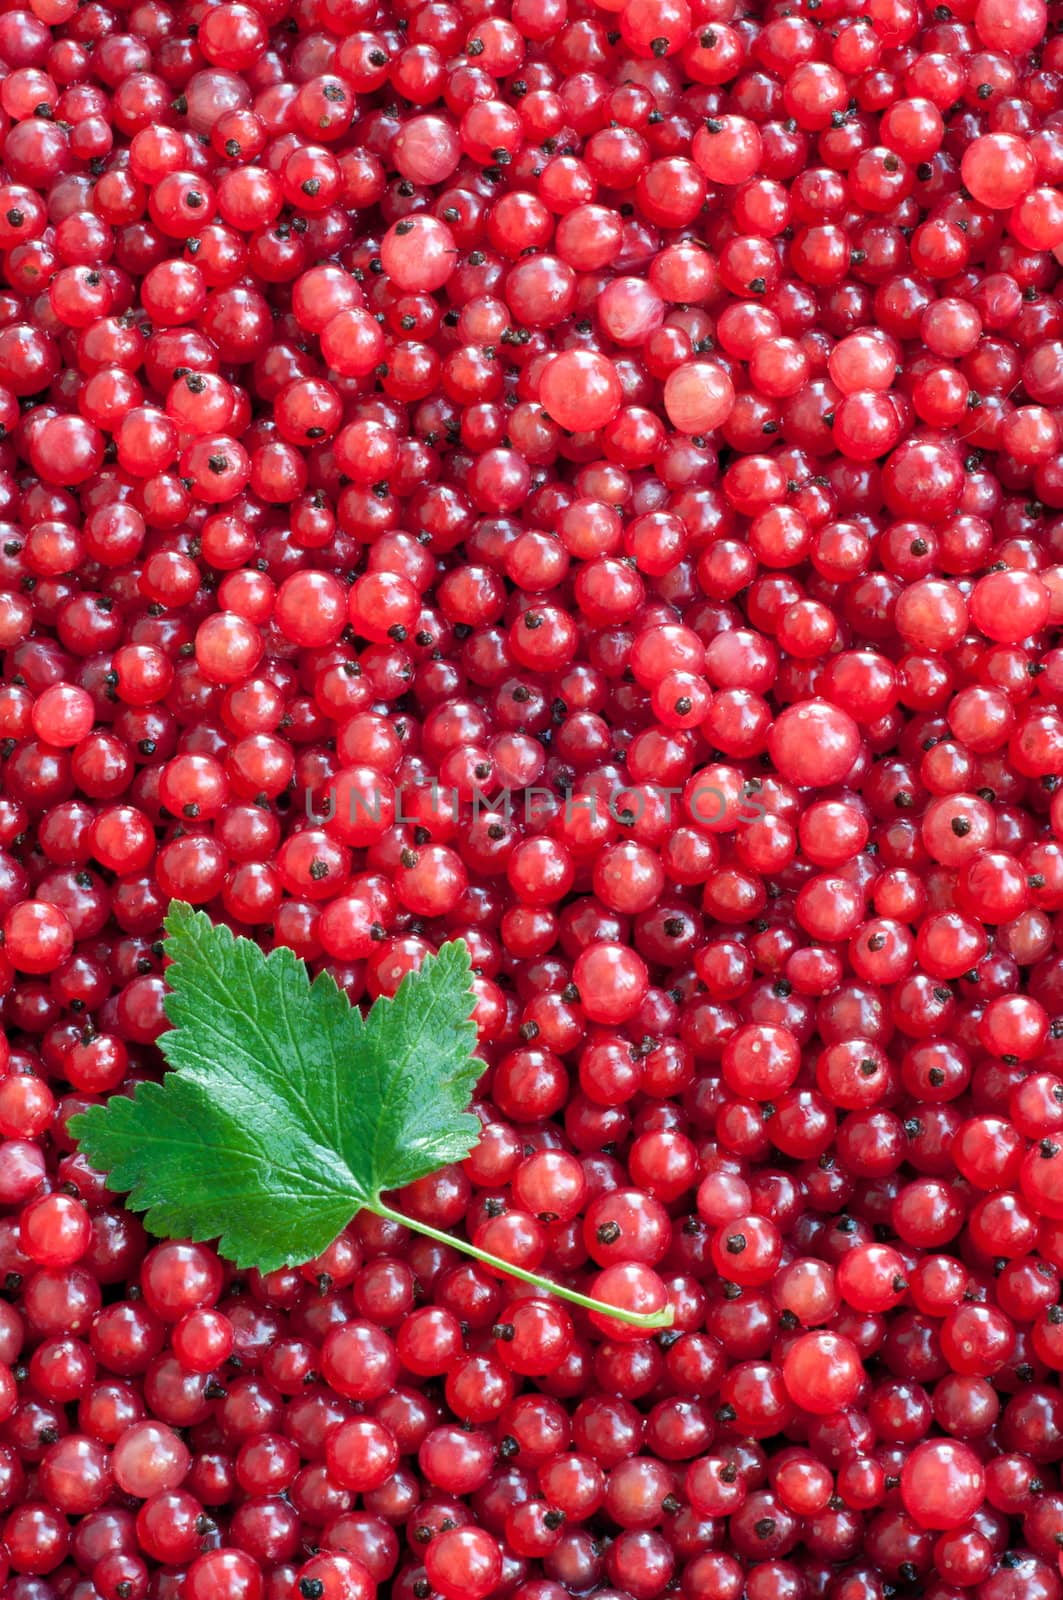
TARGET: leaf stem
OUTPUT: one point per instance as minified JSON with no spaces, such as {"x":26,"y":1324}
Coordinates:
{"x":651,"y":1320}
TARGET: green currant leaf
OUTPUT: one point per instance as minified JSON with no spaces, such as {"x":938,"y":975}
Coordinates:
{"x":199,"y":1172}
{"x":285,"y":1112}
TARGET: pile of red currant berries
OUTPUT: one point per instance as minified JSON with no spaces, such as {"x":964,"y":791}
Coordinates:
{"x":585,"y":477}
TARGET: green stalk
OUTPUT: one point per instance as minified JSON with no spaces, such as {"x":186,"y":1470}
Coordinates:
{"x":652,"y":1321}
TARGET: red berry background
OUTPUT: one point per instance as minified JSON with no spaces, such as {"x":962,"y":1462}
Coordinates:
{"x":647,"y":414}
